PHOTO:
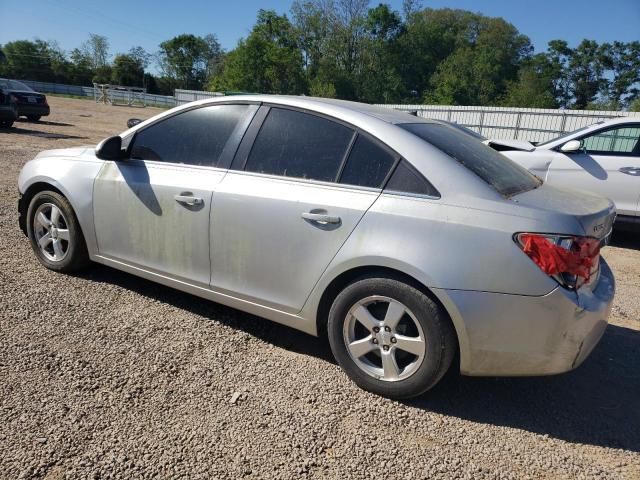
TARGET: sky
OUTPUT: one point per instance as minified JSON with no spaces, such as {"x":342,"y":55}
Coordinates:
{"x":149,"y":22}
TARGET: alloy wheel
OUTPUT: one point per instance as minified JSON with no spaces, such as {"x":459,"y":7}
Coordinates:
{"x":384,"y":338}
{"x":51,"y":232}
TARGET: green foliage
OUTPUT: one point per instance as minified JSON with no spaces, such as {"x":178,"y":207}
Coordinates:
{"x":635,"y":105}
{"x":349,"y":49}
{"x":269,"y":60}
{"x":127,"y":70}
{"x":188,"y":60}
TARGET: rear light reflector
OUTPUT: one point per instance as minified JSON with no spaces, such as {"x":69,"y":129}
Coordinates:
{"x":571,"y":260}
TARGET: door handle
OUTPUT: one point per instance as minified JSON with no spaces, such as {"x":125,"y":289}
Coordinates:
{"x":321,"y":218}
{"x":187,"y":198}
{"x":630,"y":170}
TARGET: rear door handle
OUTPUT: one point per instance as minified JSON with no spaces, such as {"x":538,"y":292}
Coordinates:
{"x":630,"y":170}
{"x":187,"y":198}
{"x":321,"y":218}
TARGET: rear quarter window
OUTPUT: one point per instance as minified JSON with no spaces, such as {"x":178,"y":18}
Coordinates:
{"x":504,"y":175}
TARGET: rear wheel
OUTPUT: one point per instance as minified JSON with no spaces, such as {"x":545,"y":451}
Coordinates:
{"x":34,"y":118}
{"x":6,"y":123}
{"x":55,"y":234}
{"x":390,"y":338}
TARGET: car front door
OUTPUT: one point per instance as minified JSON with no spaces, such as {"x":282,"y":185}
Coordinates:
{"x":285,"y":212}
{"x":152,"y":210}
{"x":608,"y":164}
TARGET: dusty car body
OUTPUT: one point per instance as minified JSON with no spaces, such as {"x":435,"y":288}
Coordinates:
{"x":404,"y":239}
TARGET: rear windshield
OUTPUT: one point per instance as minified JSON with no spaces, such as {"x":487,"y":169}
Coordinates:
{"x":14,"y":85}
{"x":507,"y":177}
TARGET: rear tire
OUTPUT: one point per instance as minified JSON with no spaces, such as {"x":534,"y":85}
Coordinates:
{"x":55,"y":234}
{"x":399,"y":357}
{"x":34,"y":118}
{"x":6,"y":123}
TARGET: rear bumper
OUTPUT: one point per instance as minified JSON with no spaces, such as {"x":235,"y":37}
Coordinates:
{"x":513,"y":335}
{"x":37,"y":109}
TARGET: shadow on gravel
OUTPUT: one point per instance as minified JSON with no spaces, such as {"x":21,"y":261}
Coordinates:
{"x":37,"y":133}
{"x":45,"y":122}
{"x":597,"y":404}
{"x":273,"y":333}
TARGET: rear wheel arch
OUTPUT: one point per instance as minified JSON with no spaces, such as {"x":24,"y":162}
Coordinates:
{"x":358,"y":273}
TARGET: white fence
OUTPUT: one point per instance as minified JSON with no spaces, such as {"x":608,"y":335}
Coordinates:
{"x":118,"y":95}
{"x":186,"y":96}
{"x":531,"y":124}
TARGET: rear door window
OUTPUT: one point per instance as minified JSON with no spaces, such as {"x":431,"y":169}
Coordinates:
{"x":296,"y":144}
{"x":368,"y":164}
{"x":507,"y":177}
{"x":194,"y":137}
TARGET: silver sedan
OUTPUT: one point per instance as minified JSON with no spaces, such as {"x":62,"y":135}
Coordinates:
{"x":409,"y":243}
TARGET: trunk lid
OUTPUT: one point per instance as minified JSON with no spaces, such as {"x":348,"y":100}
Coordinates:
{"x":594,"y":213}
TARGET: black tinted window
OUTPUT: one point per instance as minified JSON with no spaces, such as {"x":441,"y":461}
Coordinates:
{"x":195,"y":137}
{"x":295,"y":144}
{"x":507,"y":177}
{"x":368,"y":164}
{"x":406,"y":179}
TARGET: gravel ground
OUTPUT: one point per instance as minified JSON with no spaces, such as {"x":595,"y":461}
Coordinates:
{"x":105,"y":375}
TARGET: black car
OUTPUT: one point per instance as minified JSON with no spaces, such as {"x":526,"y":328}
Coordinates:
{"x":8,"y":109}
{"x":30,"y":103}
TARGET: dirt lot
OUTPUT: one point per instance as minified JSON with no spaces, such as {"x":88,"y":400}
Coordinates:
{"x":105,"y":375}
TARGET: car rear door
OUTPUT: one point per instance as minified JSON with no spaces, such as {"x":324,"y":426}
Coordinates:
{"x":152,"y":210}
{"x":609,"y":165}
{"x":283,"y":211}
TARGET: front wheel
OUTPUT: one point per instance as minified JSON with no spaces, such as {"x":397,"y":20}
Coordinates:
{"x":55,"y":234}
{"x":6,"y":123}
{"x":390,"y":338}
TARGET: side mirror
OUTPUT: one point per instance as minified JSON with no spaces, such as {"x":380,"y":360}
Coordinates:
{"x":110,"y":149}
{"x":132,"y":122}
{"x":571,"y":146}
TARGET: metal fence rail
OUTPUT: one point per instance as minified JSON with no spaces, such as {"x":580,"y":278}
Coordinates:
{"x":117,"y":95}
{"x":186,"y":96}
{"x":531,"y":124}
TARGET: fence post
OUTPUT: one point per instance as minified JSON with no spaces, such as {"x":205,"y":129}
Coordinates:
{"x":517,"y":125}
{"x":564,"y":122}
{"x":481,"y":120}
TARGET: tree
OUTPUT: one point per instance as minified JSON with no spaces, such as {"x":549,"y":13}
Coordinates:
{"x":269,"y":60}
{"x":187,"y":59}
{"x":127,"y":70}
{"x":488,"y":55}
{"x":623,"y":60}
{"x":534,"y":87}
{"x":96,"y":50}
{"x":586,"y":68}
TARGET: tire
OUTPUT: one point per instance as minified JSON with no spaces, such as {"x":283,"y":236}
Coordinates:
{"x":424,"y":328}
{"x":6,"y":123}
{"x":34,"y":118}
{"x":70,"y":254}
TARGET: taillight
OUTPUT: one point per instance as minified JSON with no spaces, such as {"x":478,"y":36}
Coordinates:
{"x":572,"y":261}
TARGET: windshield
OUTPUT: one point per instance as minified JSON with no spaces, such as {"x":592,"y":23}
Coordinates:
{"x":565,"y":135}
{"x":507,"y":177}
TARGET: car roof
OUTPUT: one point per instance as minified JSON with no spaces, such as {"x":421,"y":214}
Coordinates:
{"x":338,"y":107}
